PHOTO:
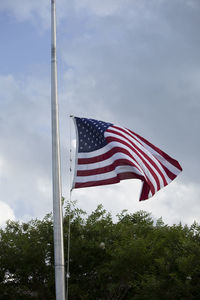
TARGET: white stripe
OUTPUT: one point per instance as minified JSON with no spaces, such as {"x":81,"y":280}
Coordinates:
{"x":95,"y":153}
{"x":150,"y":194}
{"x":108,"y":175}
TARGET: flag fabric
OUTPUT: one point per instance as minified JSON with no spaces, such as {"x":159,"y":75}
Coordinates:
{"x":107,"y":154}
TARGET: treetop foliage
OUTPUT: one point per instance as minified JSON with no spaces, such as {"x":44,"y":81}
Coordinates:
{"x":133,"y":258}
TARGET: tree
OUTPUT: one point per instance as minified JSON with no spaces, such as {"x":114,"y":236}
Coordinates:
{"x":132,"y":258}
{"x":26,"y":260}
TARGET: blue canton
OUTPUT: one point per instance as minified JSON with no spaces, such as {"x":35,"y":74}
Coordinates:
{"x":91,"y":134}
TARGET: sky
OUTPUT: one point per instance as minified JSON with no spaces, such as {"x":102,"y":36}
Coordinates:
{"x":135,"y":63}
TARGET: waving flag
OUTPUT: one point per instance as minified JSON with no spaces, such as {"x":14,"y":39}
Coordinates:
{"x":107,"y":154}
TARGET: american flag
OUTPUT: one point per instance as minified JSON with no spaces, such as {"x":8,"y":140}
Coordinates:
{"x":107,"y":154}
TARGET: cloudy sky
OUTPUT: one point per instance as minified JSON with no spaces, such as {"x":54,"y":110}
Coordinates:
{"x":130,"y":62}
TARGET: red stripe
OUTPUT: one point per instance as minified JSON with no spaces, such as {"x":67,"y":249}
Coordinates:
{"x":96,"y":183}
{"x":144,"y":154}
{"x":121,"y":176}
{"x":124,"y":131}
{"x":113,"y":139}
{"x":162,"y":153}
{"x":106,"y":169}
{"x":102,"y":157}
{"x":144,"y":192}
{"x":171,"y":175}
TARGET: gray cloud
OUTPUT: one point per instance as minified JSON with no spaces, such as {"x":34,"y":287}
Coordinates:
{"x":25,"y":144}
{"x":135,"y":63}
{"x":143,"y":72}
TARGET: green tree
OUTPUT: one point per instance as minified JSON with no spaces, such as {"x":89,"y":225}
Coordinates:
{"x":134,"y":258}
{"x":26,"y":260}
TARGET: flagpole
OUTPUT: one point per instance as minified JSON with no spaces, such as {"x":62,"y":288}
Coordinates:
{"x":56,"y":174}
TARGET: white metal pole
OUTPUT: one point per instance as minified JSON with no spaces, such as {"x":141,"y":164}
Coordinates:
{"x":56,"y":174}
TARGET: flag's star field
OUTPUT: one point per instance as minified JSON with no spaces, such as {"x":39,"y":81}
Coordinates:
{"x":91,"y":134}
